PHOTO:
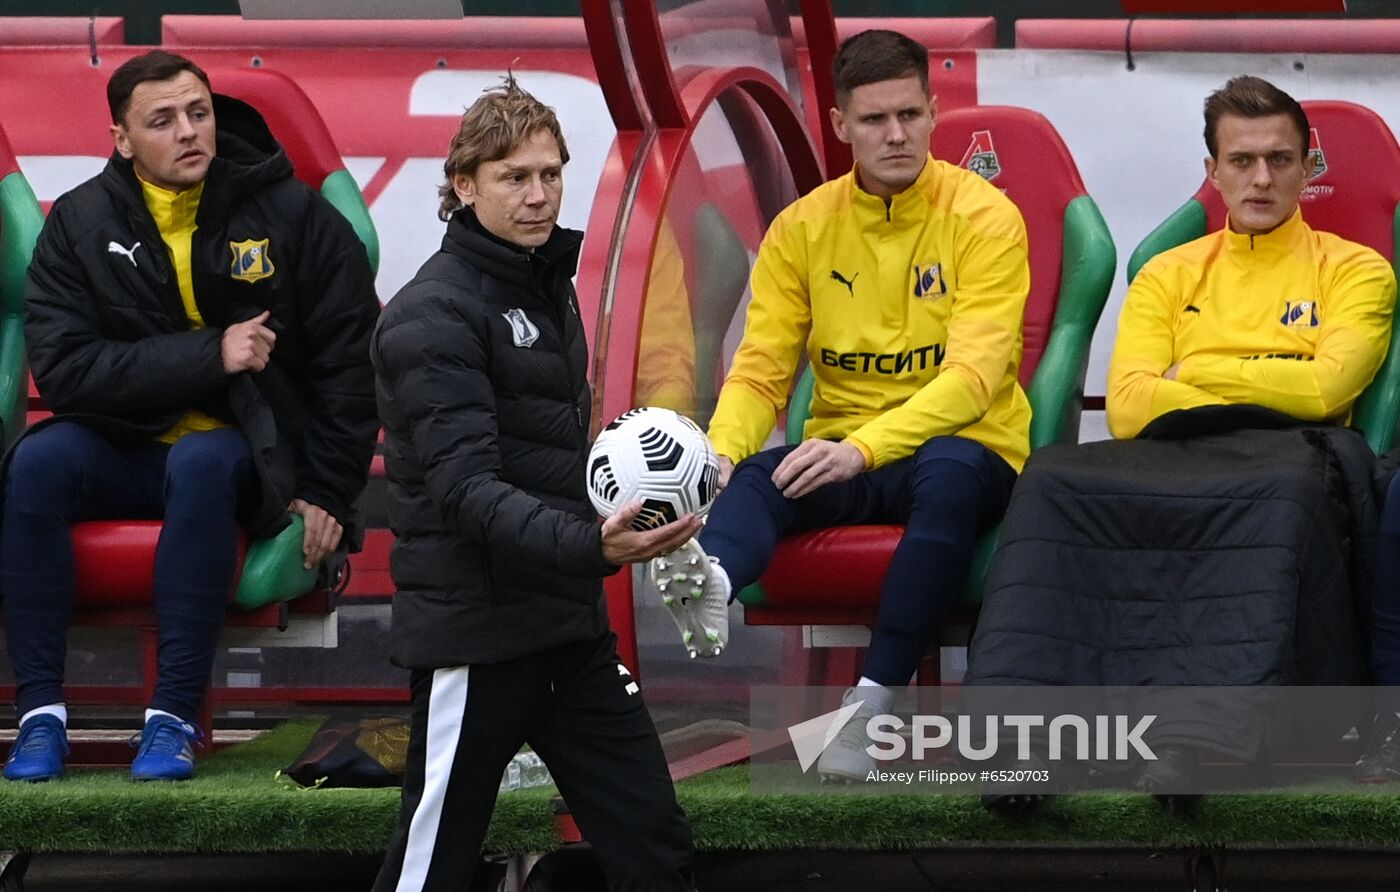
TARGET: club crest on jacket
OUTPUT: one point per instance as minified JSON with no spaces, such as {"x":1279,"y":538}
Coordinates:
{"x":521,"y":328}
{"x":251,"y":261}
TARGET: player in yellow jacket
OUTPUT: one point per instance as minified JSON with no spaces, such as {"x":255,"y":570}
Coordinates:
{"x":1265,"y":311}
{"x":905,"y":281}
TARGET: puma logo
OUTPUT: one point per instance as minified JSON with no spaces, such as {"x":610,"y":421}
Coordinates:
{"x":631,"y":687}
{"x":128,"y":253}
{"x":849,"y":283}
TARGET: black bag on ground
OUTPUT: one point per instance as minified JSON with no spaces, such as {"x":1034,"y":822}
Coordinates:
{"x":353,"y":752}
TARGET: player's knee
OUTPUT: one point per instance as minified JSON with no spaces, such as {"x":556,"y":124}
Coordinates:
{"x":50,"y":462}
{"x":215,"y":460}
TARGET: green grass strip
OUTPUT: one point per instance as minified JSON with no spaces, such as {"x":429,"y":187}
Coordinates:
{"x":726,"y":816}
{"x":233,"y":805}
{"x":236,"y":806}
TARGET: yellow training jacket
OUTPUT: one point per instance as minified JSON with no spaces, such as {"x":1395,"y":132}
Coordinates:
{"x":910,"y":313}
{"x":1295,"y":320}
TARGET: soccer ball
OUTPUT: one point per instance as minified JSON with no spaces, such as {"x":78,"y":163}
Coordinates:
{"x":658,"y":457}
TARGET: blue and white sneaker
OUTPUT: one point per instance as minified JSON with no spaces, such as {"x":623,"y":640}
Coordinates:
{"x":39,"y":750}
{"x":166,"y":750}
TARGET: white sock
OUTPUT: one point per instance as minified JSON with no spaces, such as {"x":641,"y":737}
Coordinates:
{"x":716,"y":568}
{"x":57,"y":710}
{"x":152,"y":713}
{"x":875,"y":694}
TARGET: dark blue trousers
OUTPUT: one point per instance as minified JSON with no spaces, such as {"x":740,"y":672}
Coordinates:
{"x":66,"y":473}
{"x":945,"y":494}
{"x":1385,"y":603}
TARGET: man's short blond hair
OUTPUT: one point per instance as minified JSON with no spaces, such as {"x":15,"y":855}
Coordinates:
{"x":496,"y":124}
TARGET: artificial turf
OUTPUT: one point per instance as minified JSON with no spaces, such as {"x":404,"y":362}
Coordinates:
{"x":235,"y":805}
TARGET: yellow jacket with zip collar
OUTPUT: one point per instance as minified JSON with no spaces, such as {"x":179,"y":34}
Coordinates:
{"x":1295,"y":319}
{"x":910,"y":310}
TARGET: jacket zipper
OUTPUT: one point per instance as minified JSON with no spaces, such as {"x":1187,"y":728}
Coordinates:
{"x":168,"y":293}
{"x":561,"y":307}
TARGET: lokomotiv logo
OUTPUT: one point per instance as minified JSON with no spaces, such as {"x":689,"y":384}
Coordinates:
{"x":981,"y":156}
{"x":1317,"y":161}
{"x":1317,"y":166}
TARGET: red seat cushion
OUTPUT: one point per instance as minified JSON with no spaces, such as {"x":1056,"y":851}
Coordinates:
{"x":114,"y":561}
{"x":835,"y":567}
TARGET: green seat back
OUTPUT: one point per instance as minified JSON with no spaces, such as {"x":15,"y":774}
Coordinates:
{"x":21,"y":218}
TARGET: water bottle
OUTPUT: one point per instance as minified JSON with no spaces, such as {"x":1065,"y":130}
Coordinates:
{"x":524,"y":771}
{"x":510,"y":779}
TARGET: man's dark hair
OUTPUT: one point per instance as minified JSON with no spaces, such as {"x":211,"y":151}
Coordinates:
{"x":873,"y":56}
{"x":156,"y":65}
{"x":1253,"y":97}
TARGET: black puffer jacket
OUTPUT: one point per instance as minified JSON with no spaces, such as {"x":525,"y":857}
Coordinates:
{"x":1227,"y":545}
{"x":111,"y":347}
{"x":480,"y":367}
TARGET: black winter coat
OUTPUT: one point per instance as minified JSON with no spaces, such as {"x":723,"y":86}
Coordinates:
{"x":480,"y":366}
{"x":111,"y":347}
{"x":1227,"y":545}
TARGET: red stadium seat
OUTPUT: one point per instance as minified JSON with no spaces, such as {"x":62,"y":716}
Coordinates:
{"x":273,"y":571}
{"x":63,"y":31}
{"x":114,"y":559}
{"x":474,"y":32}
{"x":1355,"y":193}
{"x":1211,"y":35}
{"x":833,"y":576}
{"x":298,"y":126}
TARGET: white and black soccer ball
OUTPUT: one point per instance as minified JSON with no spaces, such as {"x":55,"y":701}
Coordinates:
{"x":655,"y":456}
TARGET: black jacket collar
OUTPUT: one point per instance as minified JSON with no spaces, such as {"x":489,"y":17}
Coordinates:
{"x":468,"y":239}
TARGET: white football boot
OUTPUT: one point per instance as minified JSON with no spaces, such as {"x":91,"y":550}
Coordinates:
{"x":695,"y":588}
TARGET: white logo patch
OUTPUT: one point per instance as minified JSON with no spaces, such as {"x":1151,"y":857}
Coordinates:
{"x":631,"y":685}
{"x":521,"y":328}
{"x":128,"y":253}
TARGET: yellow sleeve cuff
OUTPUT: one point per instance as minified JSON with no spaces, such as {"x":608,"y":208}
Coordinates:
{"x":864,"y":451}
{"x":742,"y":421}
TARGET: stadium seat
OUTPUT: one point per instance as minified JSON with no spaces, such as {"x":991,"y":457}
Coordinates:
{"x":832,"y":577}
{"x":114,"y":558}
{"x":299,"y":127}
{"x":46,"y":31}
{"x":20,"y":221}
{"x":272,"y":571}
{"x":1354,"y":192}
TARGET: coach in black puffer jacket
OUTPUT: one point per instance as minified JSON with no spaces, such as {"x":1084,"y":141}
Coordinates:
{"x":129,"y":365}
{"x":480,"y":373}
{"x":486,"y":357}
